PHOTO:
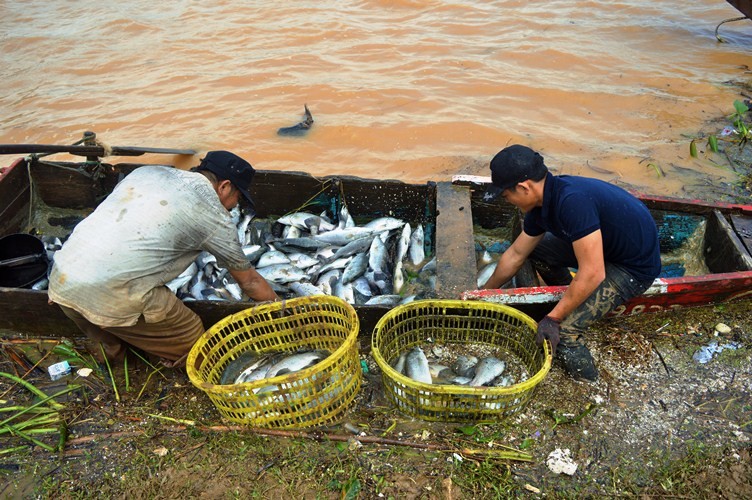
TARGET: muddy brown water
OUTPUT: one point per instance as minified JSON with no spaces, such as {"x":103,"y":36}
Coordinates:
{"x":406,"y":89}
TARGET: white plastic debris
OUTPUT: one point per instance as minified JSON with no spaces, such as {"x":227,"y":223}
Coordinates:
{"x":59,"y":370}
{"x":84,"y":372}
{"x":560,"y":462}
{"x":706,"y":353}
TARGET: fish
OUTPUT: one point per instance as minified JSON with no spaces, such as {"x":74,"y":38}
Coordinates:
{"x":343,"y":236}
{"x":355,"y":268}
{"x":271,"y":258}
{"x":345,"y":219}
{"x":243,"y":236}
{"x":399,"y":363}
{"x":465,"y":365}
{"x":182,"y":278}
{"x":384,"y":300}
{"x":384,"y":224}
{"x":304,"y":220}
{"x":344,"y":291}
{"x":416,"y":366}
{"x":241,"y":366}
{"x":503,"y":381}
{"x":416,"y":249}
{"x":398,"y":278}
{"x":403,"y":244}
{"x":282,"y":273}
{"x":305,"y":289}
{"x":486,"y":370}
{"x":377,"y":255}
{"x":297,"y":362}
{"x":300,"y":128}
{"x":354,"y":247}
{"x":485,"y":274}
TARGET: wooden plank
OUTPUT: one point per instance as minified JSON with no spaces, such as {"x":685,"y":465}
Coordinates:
{"x":455,"y":245}
{"x":743,"y":227}
{"x":724,"y":251}
{"x":14,"y":193}
{"x":27,"y":312}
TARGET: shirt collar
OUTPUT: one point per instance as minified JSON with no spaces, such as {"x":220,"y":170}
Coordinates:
{"x":548,"y":194}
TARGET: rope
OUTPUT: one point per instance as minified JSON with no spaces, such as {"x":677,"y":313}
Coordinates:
{"x":724,"y":22}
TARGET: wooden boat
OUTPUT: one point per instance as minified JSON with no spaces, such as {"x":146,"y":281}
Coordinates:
{"x":743,"y":6}
{"x":721,"y":232}
{"x":36,"y":192}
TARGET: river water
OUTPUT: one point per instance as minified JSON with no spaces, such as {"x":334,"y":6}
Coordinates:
{"x":405,"y":89}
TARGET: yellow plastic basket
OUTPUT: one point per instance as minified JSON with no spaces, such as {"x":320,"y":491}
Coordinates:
{"x":447,"y":322}
{"x":311,"y":397}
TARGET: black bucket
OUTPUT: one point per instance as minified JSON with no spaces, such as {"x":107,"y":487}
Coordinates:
{"x":23,"y":260}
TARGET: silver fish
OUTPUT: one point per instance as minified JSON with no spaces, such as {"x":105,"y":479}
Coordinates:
{"x":403,"y":244}
{"x":384,"y":300}
{"x":486,"y":370}
{"x":465,"y":365}
{"x":384,"y":224}
{"x":344,"y":236}
{"x":245,"y":362}
{"x":327,"y":280}
{"x":399,"y":364}
{"x":344,"y":291}
{"x":243,"y":235}
{"x":345,"y":219}
{"x":297,"y":362}
{"x":354,"y":247}
{"x":253,"y":252}
{"x":398,"y":279}
{"x":304,"y":289}
{"x":182,"y":278}
{"x":271,"y":258}
{"x":416,"y":366}
{"x":485,"y":274}
{"x":377,"y":255}
{"x":291,"y":232}
{"x":305,"y":221}
{"x":282,"y":273}
{"x":355,"y":268}
{"x":416,"y":250}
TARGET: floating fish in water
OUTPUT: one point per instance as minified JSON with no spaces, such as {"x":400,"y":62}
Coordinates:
{"x":300,"y":128}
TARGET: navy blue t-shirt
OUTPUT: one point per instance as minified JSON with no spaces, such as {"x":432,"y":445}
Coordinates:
{"x":574,"y":207}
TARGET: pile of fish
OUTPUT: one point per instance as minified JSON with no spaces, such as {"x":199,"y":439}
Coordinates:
{"x":252,"y":366}
{"x":447,"y":369}
{"x":380,"y":263}
{"x":320,"y":390}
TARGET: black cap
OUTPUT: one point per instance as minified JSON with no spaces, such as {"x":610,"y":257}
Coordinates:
{"x":231,"y":167}
{"x":512,"y":165}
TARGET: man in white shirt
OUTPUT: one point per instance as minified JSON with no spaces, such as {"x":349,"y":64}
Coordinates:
{"x":110,"y":275}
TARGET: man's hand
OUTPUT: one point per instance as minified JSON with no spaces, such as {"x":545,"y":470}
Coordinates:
{"x":548,"y":329}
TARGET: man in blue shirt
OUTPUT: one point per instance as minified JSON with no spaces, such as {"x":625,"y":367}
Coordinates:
{"x":599,"y":229}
